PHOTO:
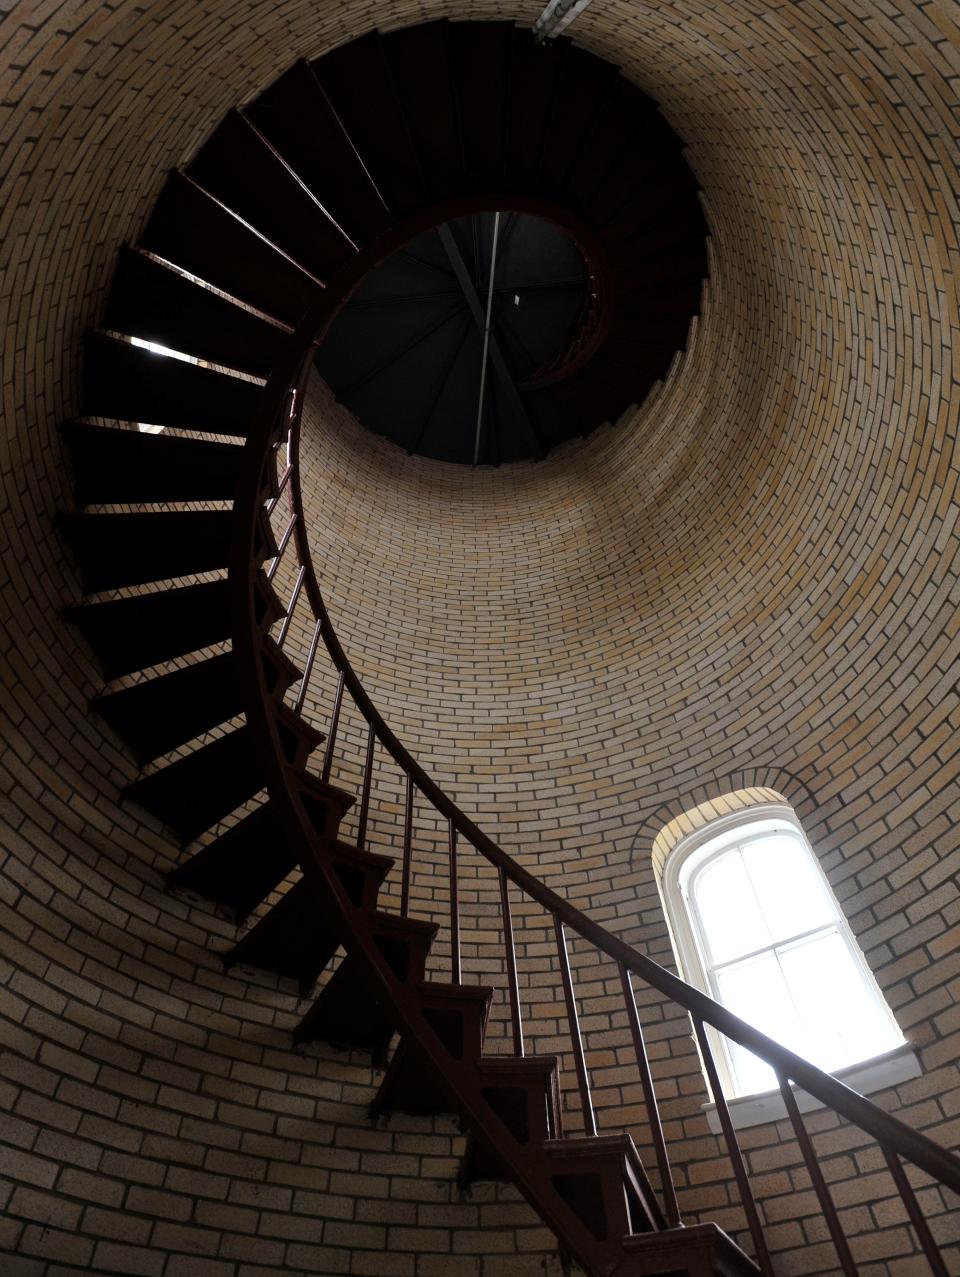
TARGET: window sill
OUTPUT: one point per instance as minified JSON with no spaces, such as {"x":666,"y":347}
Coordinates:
{"x":896,"y":1066}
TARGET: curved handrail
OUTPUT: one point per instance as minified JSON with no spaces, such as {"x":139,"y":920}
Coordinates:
{"x":886,"y":1129}
{"x":895,"y":1138}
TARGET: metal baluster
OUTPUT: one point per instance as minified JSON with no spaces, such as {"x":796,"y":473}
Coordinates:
{"x":920,"y":1225}
{"x":671,"y":1209}
{"x":271,"y":505}
{"x":308,"y":668}
{"x":294,"y":596}
{"x":284,"y":542}
{"x":515,"y":1014}
{"x":733,"y":1152}
{"x":455,"y":971}
{"x":365,"y":797}
{"x":407,"y":849}
{"x":816,"y":1178}
{"x":332,"y":734}
{"x":583,"y":1078}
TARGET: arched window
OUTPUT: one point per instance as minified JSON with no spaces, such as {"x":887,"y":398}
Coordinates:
{"x":757,"y":927}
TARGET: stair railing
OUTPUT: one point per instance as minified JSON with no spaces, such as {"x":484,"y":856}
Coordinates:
{"x":898,"y":1142}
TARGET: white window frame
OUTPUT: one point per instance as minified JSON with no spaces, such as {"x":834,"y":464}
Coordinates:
{"x":690,"y":855}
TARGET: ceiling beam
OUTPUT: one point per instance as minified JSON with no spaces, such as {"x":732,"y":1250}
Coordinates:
{"x":504,"y":374}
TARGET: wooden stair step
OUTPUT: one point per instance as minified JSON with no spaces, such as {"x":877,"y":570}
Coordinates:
{"x":129,"y":467}
{"x":151,"y":300}
{"x":239,"y":168}
{"x":297,"y":119}
{"x":244,"y":864}
{"x":135,"y":633}
{"x":132,"y":383}
{"x":700,"y":1250}
{"x":602,"y":1179}
{"x":190,"y":229}
{"x":300,"y":934}
{"x":350,"y":1010}
{"x":117,"y":550}
{"x":524,"y":1093}
{"x":201,"y":788}
{"x":458,"y":1014}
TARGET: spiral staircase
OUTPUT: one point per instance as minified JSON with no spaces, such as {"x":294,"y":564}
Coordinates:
{"x":181,"y":529}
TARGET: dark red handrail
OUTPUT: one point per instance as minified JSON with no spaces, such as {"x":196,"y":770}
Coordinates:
{"x":897,"y":1140}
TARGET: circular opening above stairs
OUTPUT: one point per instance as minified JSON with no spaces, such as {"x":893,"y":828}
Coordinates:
{"x":449,"y":346}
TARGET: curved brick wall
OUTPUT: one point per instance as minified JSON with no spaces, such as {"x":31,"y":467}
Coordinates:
{"x":751,"y":582}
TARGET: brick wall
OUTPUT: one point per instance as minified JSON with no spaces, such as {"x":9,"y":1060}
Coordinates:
{"x":752,"y":581}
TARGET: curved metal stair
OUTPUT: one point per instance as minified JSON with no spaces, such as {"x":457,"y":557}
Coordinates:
{"x":244,"y":261}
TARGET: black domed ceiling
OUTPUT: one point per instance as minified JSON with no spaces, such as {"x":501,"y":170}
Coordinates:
{"x":413,"y":357}
{"x":557,"y":200}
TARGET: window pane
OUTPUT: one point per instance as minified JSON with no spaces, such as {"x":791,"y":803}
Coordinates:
{"x":755,"y":990}
{"x":842,"y":1020}
{"x":791,"y":892}
{"x":731,"y":920}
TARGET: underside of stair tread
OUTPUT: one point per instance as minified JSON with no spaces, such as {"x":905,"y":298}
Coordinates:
{"x":190,"y":229}
{"x":238,"y":168}
{"x":194,"y":792}
{"x":244,"y":864}
{"x":373,"y":119}
{"x":117,"y":466}
{"x":132,"y":383}
{"x":155,"y":302}
{"x":144,"y":630}
{"x":296,"y":117}
{"x":301,"y":933}
{"x":157,"y":716}
{"x":116,"y":550}
{"x":350,"y":1011}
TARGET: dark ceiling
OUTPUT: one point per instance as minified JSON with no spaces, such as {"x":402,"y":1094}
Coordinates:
{"x":407,"y":353}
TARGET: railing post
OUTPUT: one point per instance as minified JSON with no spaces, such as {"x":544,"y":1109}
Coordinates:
{"x":291,"y":606}
{"x":816,"y":1178}
{"x":733,"y":1151}
{"x":920,"y":1225}
{"x":671,"y":1209}
{"x":579,"y":1060}
{"x":455,"y":971}
{"x":308,"y":670}
{"x":284,"y":542}
{"x":516,"y":1017}
{"x":365,"y":796}
{"x":332,"y":734}
{"x":407,"y":849}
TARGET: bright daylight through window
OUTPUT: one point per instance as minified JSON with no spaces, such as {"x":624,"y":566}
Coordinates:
{"x":760,"y":930}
